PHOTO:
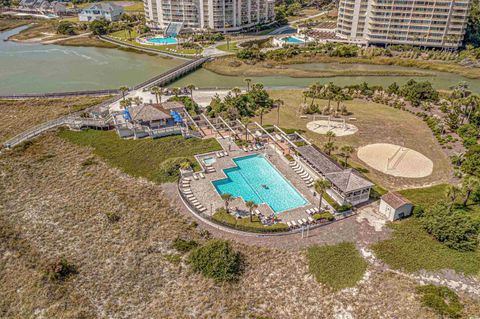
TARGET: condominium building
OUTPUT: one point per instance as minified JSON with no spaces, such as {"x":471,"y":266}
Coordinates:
{"x":217,"y":15}
{"x":429,"y":23}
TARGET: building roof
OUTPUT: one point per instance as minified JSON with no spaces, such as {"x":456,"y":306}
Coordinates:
{"x":320,"y":161}
{"x":170,"y":105}
{"x":147,"y":112}
{"x":395,"y":200}
{"x":348,"y":180}
{"x":104,"y":6}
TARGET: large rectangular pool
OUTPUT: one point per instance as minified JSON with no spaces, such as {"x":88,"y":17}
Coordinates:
{"x":257,"y":180}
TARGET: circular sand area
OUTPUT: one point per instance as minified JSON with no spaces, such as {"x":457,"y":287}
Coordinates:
{"x":396,"y":160}
{"x":337,"y":127}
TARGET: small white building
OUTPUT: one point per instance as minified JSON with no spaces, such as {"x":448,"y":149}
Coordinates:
{"x":394,"y":206}
{"x":107,"y":10}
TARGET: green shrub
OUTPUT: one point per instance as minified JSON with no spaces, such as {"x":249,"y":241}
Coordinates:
{"x":216,"y":260}
{"x":224,"y":218}
{"x":418,"y":211}
{"x":442,"y":300}
{"x":112,"y":217}
{"x":184,"y":245}
{"x":338,"y":266}
{"x":60,"y":270}
{"x":171,"y":166}
{"x":323,"y":216}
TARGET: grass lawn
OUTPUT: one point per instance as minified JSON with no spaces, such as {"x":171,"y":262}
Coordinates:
{"x":412,"y":249}
{"x":338,"y":266}
{"x":7,"y":24}
{"x":377,"y":124}
{"x":20,"y":115}
{"x":245,"y":224}
{"x":232,"y":47}
{"x":141,"y":158}
{"x":304,"y":12}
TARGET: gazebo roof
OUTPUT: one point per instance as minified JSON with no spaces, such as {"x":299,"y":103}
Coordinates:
{"x":348,"y":180}
{"x":147,"y":113}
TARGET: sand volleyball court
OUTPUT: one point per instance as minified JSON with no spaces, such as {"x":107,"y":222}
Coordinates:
{"x":396,"y":160}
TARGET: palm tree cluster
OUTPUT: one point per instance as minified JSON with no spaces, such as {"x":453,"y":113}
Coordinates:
{"x":329,"y":92}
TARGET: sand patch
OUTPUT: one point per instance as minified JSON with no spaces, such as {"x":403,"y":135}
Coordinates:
{"x":337,"y":127}
{"x":395,"y":160}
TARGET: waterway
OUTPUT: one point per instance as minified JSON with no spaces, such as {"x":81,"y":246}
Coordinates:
{"x":34,"y":68}
{"x":37,"y":68}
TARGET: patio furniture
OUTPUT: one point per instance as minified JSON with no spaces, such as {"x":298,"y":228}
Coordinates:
{"x":257,"y":212}
{"x":310,"y":219}
{"x":304,"y":220}
{"x":289,"y":225}
{"x":294,"y":224}
{"x":195,"y":177}
{"x":300,"y":222}
{"x":201,"y":175}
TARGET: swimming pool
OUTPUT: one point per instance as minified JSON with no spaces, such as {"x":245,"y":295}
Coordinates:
{"x":247,"y":181}
{"x":209,"y":160}
{"x":293,"y":40}
{"x":165,"y":41}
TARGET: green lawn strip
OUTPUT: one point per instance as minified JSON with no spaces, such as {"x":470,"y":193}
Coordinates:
{"x":245,"y":224}
{"x":427,"y":196}
{"x":232,"y":47}
{"x":338,"y":266}
{"x":141,"y":158}
{"x":412,"y":249}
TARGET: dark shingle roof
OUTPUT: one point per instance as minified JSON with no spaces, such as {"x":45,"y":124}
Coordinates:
{"x":395,"y":200}
{"x":321,"y":162}
{"x":348,"y":180}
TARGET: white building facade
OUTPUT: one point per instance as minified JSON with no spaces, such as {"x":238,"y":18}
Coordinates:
{"x":429,"y":23}
{"x":217,"y":15}
{"x":394,"y":206}
{"x":106,"y":10}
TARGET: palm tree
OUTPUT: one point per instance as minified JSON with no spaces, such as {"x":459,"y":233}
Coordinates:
{"x":329,"y":147}
{"x":452,"y":193}
{"x":227,"y":38}
{"x":226,"y":197}
{"x":191,"y":87}
{"x":248,"y":81}
{"x":245,"y":121}
{"x":346,"y":150}
{"x":176,"y":91}
{"x":470,"y":183}
{"x":251,"y":206}
{"x":158,"y":91}
{"x":137,"y":100}
{"x":260,"y":111}
{"x":236,"y":91}
{"x":278,"y":103}
{"x":330,"y":136}
{"x":321,"y":186}
{"x":124,"y":90}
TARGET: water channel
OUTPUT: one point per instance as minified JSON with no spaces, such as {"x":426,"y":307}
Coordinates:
{"x":36,"y":68}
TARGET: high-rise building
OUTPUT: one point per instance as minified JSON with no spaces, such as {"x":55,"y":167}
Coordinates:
{"x":217,"y":15}
{"x":429,"y":23}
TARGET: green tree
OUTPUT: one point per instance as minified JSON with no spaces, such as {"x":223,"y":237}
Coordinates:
{"x":248,"y":81}
{"x":100,"y":26}
{"x":260,"y":111}
{"x":251,"y":206}
{"x":158,"y":92}
{"x":321,"y":186}
{"x":470,"y":184}
{"x":124,"y":90}
{"x":66,"y":28}
{"x":393,"y":88}
{"x":278,"y":103}
{"x":227,"y":198}
{"x":346,"y":151}
{"x":417,"y":92}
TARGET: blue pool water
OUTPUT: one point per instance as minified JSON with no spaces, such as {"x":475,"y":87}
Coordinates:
{"x":163,"y":40}
{"x":293,"y":40}
{"x":246,"y":181}
{"x":209,"y":160}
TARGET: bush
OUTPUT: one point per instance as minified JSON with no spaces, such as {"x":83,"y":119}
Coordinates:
{"x":112,"y":217}
{"x":418,"y":211}
{"x":323,"y":216}
{"x":171,"y":166}
{"x":455,"y":229}
{"x":224,"y":218}
{"x":60,"y":270}
{"x":442,"y":300}
{"x":338,"y":266}
{"x":66,"y":28}
{"x":184,"y":245}
{"x":216,"y":260}
{"x":99,"y":27}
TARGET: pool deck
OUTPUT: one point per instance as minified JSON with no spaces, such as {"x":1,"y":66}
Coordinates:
{"x":206,"y":193}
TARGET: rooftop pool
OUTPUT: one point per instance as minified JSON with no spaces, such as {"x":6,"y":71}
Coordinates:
{"x":164,"y":41}
{"x":256,"y":179}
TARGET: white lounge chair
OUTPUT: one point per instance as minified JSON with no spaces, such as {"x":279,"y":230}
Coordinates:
{"x":257,"y":212}
{"x":294,"y":224}
{"x":195,"y":177}
{"x":309,"y":211}
{"x":201,"y":175}
{"x":292,"y":163}
{"x":225,"y":153}
{"x":310,"y":219}
{"x":289,"y":225}
{"x":304,"y":220}
{"x":300,"y":222}
{"x":244,"y":149}
{"x":250,"y":149}
{"x":315,"y":210}
{"x":187,"y":179}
